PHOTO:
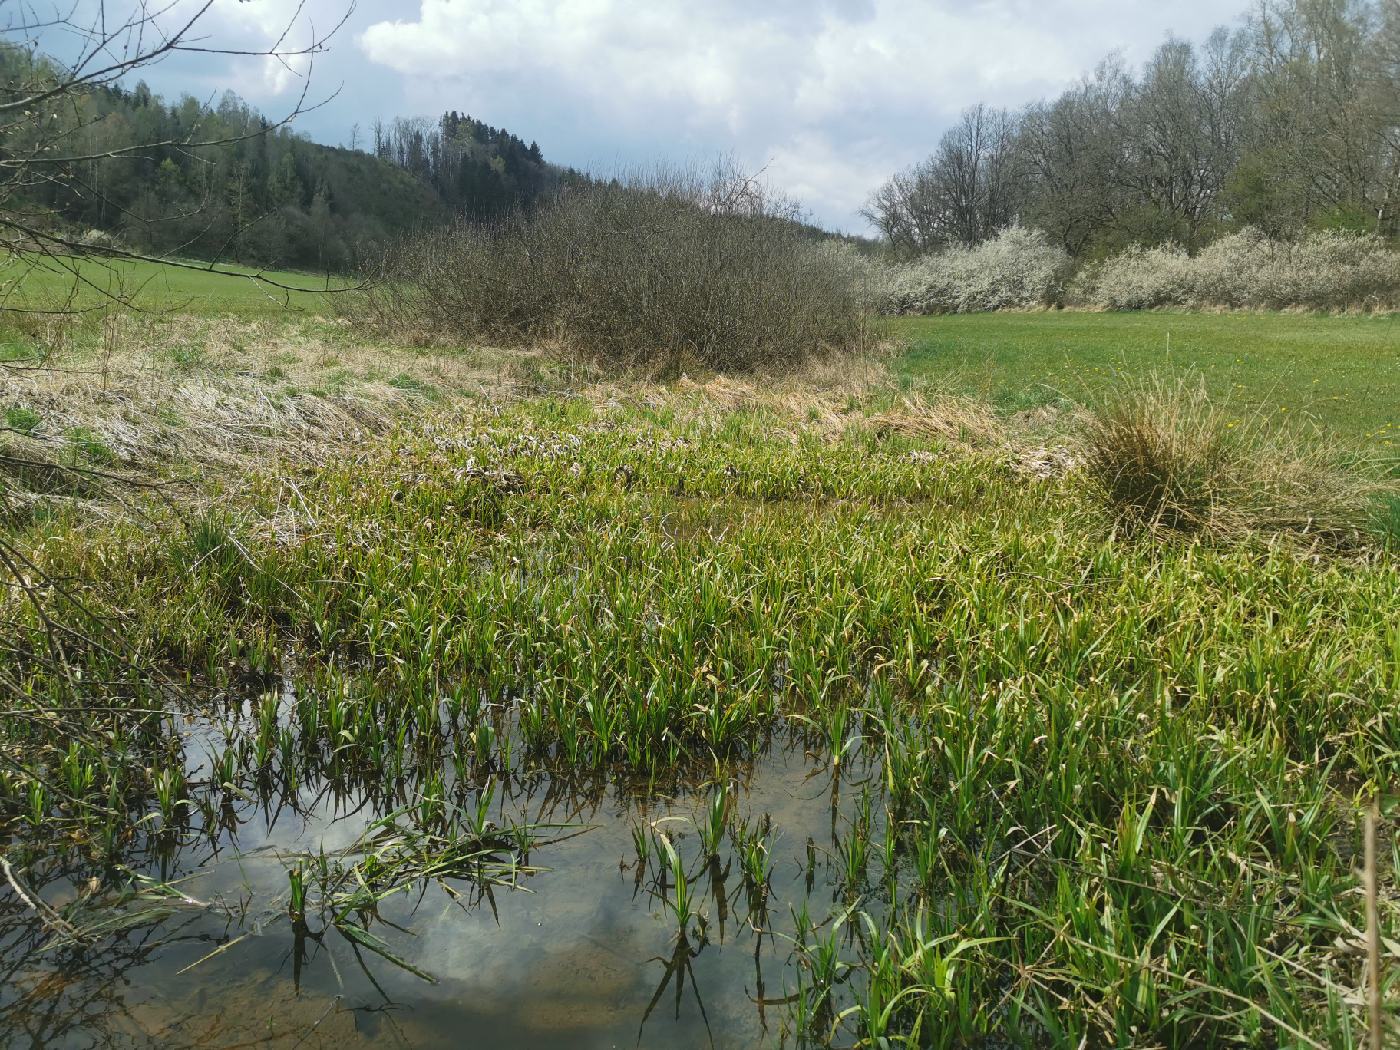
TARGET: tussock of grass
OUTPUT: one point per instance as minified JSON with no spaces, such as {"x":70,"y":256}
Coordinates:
{"x":1161,"y":454}
{"x":1388,"y":521}
{"x":22,"y":419}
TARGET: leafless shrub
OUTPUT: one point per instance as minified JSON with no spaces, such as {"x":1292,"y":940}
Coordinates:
{"x":656,"y":272}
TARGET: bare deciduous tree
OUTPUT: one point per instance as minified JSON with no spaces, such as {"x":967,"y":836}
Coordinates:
{"x":1384,"y":79}
{"x":1069,"y":158}
{"x":1289,"y":122}
{"x":961,"y":195}
{"x":1177,"y":126}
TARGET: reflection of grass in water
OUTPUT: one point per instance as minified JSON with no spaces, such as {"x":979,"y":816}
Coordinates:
{"x":1110,"y":770}
{"x":253,"y":937}
{"x":343,"y":890}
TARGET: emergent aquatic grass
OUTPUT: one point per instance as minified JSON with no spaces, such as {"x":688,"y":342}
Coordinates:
{"x":1114,"y":780}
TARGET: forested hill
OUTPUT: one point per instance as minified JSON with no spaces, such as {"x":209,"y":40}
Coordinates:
{"x":477,"y":170}
{"x":222,"y":182}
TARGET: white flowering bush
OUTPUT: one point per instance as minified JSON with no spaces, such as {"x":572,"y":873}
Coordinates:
{"x":1137,"y":278}
{"x":94,"y":238}
{"x":1246,"y":270}
{"x":870,"y":276}
{"x":1017,"y":270}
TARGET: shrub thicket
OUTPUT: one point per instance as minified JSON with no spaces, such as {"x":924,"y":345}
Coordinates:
{"x":1016,"y":270}
{"x":1322,"y":271}
{"x":657,"y":273}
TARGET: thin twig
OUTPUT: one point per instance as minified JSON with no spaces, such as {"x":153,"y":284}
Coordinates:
{"x":37,"y":904}
{"x":1373,"y":930}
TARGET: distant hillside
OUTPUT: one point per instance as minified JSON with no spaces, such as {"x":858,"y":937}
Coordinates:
{"x":260,"y":195}
{"x":477,"y":170}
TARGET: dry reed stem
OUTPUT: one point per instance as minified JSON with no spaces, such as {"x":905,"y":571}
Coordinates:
{"x":1373,"y":931}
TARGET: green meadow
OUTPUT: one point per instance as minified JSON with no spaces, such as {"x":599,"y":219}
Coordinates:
{"x":196,"y":288}
{"x":1339,"y":373}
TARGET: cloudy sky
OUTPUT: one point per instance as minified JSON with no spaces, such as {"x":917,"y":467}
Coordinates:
{"x":828,"y":96}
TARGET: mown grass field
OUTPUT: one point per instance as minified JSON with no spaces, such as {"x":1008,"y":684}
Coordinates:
{"x":1089,"y":784}
{"x":1340,"y":373}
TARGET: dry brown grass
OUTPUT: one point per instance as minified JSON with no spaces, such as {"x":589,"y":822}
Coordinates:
{"x":1162,"y":455}
{"x":836,"y":401}
{"x":820,"y":395}
{"x":186,"y":401}
{"x":947,"y":418}
{"x":174,"y":400}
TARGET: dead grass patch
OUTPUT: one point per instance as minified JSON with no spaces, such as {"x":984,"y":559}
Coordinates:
{"x":182,"y":397}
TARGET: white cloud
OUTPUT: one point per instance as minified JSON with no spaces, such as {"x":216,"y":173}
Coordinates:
{"x":810,"y":168}
{"x":255,"y":25}
{"x":252,"y":26}
{"x":835,"y":94}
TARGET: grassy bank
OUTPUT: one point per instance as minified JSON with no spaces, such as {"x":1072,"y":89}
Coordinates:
{"x":1343,"y":373}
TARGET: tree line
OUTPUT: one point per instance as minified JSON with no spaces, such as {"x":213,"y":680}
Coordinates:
{"x":1288,"y":122}
{"x":479,"y":171}
{"x":223,"y":182}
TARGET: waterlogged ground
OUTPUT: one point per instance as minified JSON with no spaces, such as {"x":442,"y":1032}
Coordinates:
{"x":522,"y":726}
{"x":579,"y":947}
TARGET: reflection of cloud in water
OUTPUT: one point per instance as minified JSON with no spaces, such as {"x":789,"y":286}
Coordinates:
{"x":574,"y":956}
{"x":572,"y":959}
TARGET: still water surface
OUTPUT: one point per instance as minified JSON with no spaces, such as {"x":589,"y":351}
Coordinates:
{"x":582,"y":952}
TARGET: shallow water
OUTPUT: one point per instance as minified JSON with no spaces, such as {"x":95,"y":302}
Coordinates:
{"x":581,"y":953}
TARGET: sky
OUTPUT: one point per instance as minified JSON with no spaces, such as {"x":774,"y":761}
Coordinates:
{"x":827,"y":97}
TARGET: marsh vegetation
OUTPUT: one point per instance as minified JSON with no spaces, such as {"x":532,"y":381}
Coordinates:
{"x":808,"y":711}
{"x":592,"y":624}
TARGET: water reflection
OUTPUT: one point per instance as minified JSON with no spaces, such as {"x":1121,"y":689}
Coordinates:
{"x":585,"y":951}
